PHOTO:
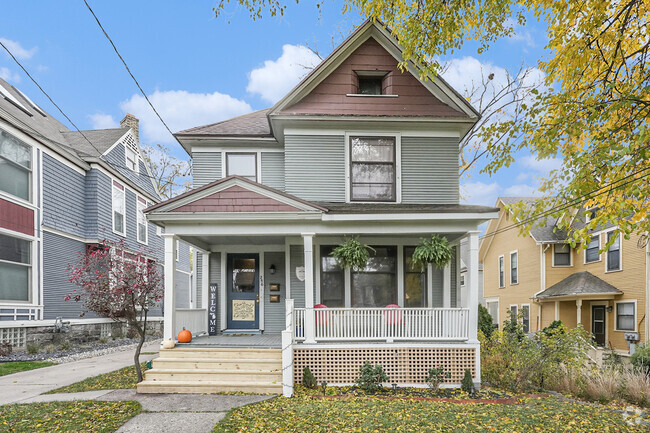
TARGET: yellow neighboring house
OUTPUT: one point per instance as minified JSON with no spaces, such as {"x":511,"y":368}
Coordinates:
{"x":544,"y":279}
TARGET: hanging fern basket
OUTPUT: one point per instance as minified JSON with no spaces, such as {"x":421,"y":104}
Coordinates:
{"x":352,"y":254}
{"x":435,"y":251}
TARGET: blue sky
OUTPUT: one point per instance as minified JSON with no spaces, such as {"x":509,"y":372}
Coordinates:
{"x":200,"y":69}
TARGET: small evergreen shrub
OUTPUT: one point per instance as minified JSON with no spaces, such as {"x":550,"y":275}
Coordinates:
{"x":371,"y":377}
{"x":641,"y":357}
{"x":33,"y":348}
{"x":308,"y":379}
{"x":436,"y":376}
{"x":485,"y":322}
{"x":467,"y":384}
{"x":554,"y":327}
{"x":5,"y":348}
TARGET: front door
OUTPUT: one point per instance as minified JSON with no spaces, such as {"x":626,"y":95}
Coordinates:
{"x":598,"y":324}
{"x":243,"y":291}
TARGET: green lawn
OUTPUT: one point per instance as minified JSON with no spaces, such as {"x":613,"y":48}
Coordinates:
{"x":67,"y":416}
{"x":15,"y":367}
{"x":125,"y":378}
{"x":305,"y":414}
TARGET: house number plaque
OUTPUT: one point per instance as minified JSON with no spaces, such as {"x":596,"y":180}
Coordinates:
{"x":212,"y":309}
{"x":243,"y":310}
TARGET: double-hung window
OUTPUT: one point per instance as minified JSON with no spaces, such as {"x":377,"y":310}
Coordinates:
{"x":513,"y":313}
{"x":15,"y":166}
{"x":131,"y":160}
{"x":332,"y":279}
{"x":242,"y":164}
{"x":502,"y":275}
{"x":591,"y":254}
{"x":514,"y":268}
{"x":372,"y":169}
{"x":625,"y":316}
{"x":119,"y":208}
{"x":142,"y":220}
{"x":15,"y":268}
{"x":561,"y":255}
{"x":525,"y":318}
{"x":376,"y":284}
{"x":614,"y":252}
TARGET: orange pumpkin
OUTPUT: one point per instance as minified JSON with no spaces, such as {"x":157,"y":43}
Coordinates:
{"x":184,"y":336}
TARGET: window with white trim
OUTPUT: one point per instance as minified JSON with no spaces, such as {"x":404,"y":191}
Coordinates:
{"x":15,"y":268}
{"x":626,"y":316}
{"x":514,"y":268}
{"x":131,"y":160}
{"x":15,"y":166}
{"x":525,"y":318}
{"x":591,"y":253}
{"x":242,"y":164}
{"x":513,"y":313}
{"x":332,"y":279}
{"x":376,"y":284}
{"x":373,"y":169}
{"x":561,"y":255}
{"x":142,"y":220}
{"x":502,"y":272}
{"x":493,"y":309}
{"x":614,"y":252}
{"x":119,"y":208}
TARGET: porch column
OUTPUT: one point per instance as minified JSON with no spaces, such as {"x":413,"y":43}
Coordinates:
{"x":170,"y":286}
{"x":446,"y":286}
{"x":308,"y":241}
{"x":205,"y":286}
{"x":578,"y":311}
{"x":472,"y":285}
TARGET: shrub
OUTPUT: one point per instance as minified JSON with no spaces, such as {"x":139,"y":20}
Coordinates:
{"x":641,"y":357}
{"x":65,"y":345}
{"x":636,"y":386}
{"x":308,"y":379}
{"x":371,"y":377}
{"x":485,"y":321}
{"x":33,"y":348}
{"x":602,"y":385}
{"x":556,"y":324}
{"x":467,"y":384}
{"x":436,"y":375}
{"x":6,"y":348}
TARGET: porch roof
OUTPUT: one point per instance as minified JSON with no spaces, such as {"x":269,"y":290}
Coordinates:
{"x":579,"y":285}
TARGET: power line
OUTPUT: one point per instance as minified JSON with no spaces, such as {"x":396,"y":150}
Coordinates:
{"x":129,"y":71}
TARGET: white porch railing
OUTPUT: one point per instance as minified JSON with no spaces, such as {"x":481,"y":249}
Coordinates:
{"x":192,"y":319}
{"x":387,"y":324}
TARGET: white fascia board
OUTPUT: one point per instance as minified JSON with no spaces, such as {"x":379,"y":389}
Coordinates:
{"x":232,"y":216}
{"x":411,"y":217}
{"x":119,"y":141}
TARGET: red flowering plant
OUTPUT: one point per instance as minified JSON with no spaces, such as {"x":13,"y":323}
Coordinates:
{"x":117,"y":283}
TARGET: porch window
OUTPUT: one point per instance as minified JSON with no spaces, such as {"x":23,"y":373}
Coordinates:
{"x":561,"y":255}
{"x":332,"y":279}
{"x":591,"y":254}
{"x":376,"y":284}
{"x":614,"y":252}
{"x":119,"y":206}
{"x":372,"y":169}
{"x":142,"y":220}
{"x":242,"y":164}
{"x":502,"y":277}
{"x":625,"y":316}
{"x":15,"y":268}
{"x":514,"y":267}
{"x":525,"y":318}
{"x":15,"y":166}
{"x":415,"y":282}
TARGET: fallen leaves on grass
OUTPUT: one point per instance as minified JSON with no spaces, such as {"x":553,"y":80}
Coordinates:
{"x":125,"y":378}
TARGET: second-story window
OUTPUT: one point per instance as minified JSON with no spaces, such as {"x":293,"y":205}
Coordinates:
{"x":614,"y":252}
{"x":15,"y":166}
{"x":591,"y":254}
{"x":372,"y":169}
{"x":142,"y":220}
{"x":242,"y":164}
{"x":561,"y":255}
{"x":119,"y":208}
{"x":514,"y":268}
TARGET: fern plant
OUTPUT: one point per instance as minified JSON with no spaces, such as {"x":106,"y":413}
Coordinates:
{"x":435,"y":250}
{"x":352,"y":254}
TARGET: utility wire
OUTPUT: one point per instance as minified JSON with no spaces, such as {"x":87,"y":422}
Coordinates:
{"x":129,"y":70}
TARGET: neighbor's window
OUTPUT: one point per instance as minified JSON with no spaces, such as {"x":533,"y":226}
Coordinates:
{"x":242,"y":164}
{"x":370,"y":85}
{"x":15,"y":166}
{"x":142,"y":220}
{"x":502,"y":277}
{"x":625,"y":316}
{"x":513,"y":313}
{"x":372,"y":169}
{"x":15,"y":268}
{"x":332,"y":279}
{"x":614,"y":252}
{"x":493,"y":309}
{"x":376,"y":284}
{"x":525,"y":318}
{"x":561,"y":255}
{"x":131,"y":160}
{"x":514,"y":266}
{"x":591,"y":254}
{"x":415,"y":281}
{"x":119,"y":208}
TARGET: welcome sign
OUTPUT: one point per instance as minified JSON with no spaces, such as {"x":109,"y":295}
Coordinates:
{"x":212,"y":309}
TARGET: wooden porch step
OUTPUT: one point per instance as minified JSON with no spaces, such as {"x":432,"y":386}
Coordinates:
{"x":221,"y":353}
{"x":212,"y":375}
{"x":189,"y":387}
{"x":229,"y":364}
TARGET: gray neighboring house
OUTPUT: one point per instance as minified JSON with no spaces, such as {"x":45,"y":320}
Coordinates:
{"x":60,"y":194}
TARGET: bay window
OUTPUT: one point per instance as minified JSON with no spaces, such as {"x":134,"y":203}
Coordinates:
{"x":142,"y":220}
{"x":376,"y":284}
{"x":15,"y":166}
{"x":15,"y":268}
{"x":372,"y":169}
{"x":415,"y":282}
{"x":119,"y":208}
{"x":332,"y":279}
{"x":614,"y":252}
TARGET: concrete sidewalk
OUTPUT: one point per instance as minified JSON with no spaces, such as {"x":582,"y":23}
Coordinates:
{"x":19,"y":387}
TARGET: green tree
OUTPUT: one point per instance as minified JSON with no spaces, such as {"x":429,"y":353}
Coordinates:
{"x":485,"y":322}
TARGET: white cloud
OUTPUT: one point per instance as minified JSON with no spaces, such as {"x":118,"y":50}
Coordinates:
{"x":103,"y":121}
{"x":480,"y":193}
{"x":181,"y":110}
{"x":7,"y":75}
{"x":521,"y":190}
{"x":18,"y":50}
{"x":273,"y":80}
{"x":541,"y":166}
{"x":467,"y":73}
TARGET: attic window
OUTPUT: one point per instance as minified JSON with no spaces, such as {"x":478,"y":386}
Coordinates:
{"x":370,"y":85}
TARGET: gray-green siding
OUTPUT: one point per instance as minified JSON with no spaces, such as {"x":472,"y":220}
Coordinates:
{"x":274,"y":313}
{"x":273,"y":169}
{"x":206,"y":168}
{"x":436,"y":283}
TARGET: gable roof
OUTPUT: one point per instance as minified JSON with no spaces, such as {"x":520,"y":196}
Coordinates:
{"x":251,"y":124}
{"x":579,"y":284}
{"x":101,"y":139}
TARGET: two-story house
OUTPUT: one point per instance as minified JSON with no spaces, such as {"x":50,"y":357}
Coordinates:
{"x":357,"y":148}
{"x":62,"y":191}
{"x":542,"y":279}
